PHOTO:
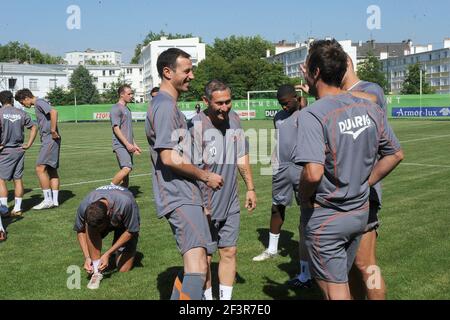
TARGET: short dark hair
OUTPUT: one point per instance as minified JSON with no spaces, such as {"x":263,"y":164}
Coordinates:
{"x":286,"y":90}
{"x":329,"y":57}
{"x":155,"y":89}
{"x":6,"y":97}
{"x":168,"y":59}
{"x":122,"y":88}
{"x":97,"y":215}
{"x":213,"y":86}
{"x":23,"y":94}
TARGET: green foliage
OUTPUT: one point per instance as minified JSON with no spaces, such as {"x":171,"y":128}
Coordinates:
{"x":152,"y":36}
{"x":60,"y":97}
{"x":411,"y":85}
{"x":110,"y":95}
{"x":371,"y":70}
{"x":82,"y":83}
{"x":239,"y":62}
{"x":23,"y":53}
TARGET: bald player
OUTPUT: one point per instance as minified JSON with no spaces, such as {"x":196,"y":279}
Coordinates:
{"x":286,"y":175}
{"x":47,"y":163}
{"x":220,"y":141}
{"x":365,"y":260}
{"x":340,"y":138}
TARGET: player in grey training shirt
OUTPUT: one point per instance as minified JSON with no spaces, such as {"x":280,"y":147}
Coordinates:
{"x":12,"y":148}
{"x":48,"y":160}
{"x":106,"y":209}
{"x":177,"y":194}
{"x":12,"y":152}
{"x":340,"y":137}
{"x":366,"y":255}
{"x":123,"y":143}
{"x":285,"y":179}
{"x":220,"y":145}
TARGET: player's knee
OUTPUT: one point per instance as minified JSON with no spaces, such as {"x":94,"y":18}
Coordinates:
{"x":228,"y":253}
{"x":362,"y":262}
{"x":40,"y":169}
{"x":127,"y":170}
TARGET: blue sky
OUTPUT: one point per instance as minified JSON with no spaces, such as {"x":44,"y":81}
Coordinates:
{"x":120,"y":25}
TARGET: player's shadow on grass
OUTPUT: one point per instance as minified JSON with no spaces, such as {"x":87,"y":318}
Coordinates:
{"x":166,"y":280}
{"x":135,"y":190}
{"x":29,"y":202}
{"x":112,"y":268}
{"x":288,"y":247}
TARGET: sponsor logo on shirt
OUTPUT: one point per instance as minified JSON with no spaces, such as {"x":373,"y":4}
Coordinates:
{"x":355,"y":126}
{"x":12,"y":117}
{"x":111,"y":187}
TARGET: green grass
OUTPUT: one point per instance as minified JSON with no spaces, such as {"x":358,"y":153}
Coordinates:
{"x":413,"y":246}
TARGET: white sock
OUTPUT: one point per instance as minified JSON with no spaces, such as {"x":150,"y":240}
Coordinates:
{"x":225,"y":292}
{"x":4,"y":201}
{"x":55,"y":197}
{"x":47,"y":195}
{"x":1,"y":225}
{"x":304,"y":271}
{"x":18,"y":204}
{"x":273,"y":242}
{"x":95,"y":264}
{"x":207,"y":294}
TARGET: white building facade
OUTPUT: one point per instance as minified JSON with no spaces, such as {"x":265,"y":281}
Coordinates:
{"x":39,"y":79}
{"x":151,"y":52}
{"x":100,"y":57}
{"x":292,"y":59}
{"x":435,"y":64}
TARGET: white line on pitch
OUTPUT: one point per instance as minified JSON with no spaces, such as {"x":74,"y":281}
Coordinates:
{"x":429,"y":138}
{"x":425,"y":165}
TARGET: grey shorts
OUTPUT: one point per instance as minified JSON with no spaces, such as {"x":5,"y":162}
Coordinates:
{"x":332,"y":240}
{"x":225,"y":233}
{"x":49,"y":153}
{"x":124,"y":158}
{"x":190,"y":227}
{"x":373,"y":222}
{"x":285,"y":185}
{"x":11,"y":163}
{"x":130,"y":246}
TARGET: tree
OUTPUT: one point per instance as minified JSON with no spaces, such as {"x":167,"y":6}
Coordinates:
{"x":371,"y":70}
{"x":82,"y":83}
{"x":234,"y":47}
{"x":60,"y":97}
{"x":152,"y":36}
{"x":23,"y":53}
{"x":411,"y":85}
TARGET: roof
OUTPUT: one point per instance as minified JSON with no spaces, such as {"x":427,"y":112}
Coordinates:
{"x":395,"y":49}
{"x":14,"y":68}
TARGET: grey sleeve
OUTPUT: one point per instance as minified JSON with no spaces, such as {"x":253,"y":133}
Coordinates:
{"x":115,"y":116}
{"x":388,"y":143}
{"x":28,"y":123}
{"x":43,"y":107}
{"x":131,"y":218}
{"x":310,"y":140}
{"x":165,"y":126}
{"x":80,"y":219}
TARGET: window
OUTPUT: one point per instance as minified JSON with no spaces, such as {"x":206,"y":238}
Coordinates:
{"x":104,"y":85}
{"x":104,"y":72}
{"x":112,"y":72}
{"x":53,"y":84}
{"x":34,"y":84}
{"x":95,"y":79}
{"x":129,"y":71}
{"x":140,"y":71}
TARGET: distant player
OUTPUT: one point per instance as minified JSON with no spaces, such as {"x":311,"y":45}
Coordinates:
{"x":12,"y":149}
{"x":286,"y":176}
{"x":340,"y":138}
{"x":365,"y":259}
{"x":106,"y":209}
{"x":220,"y":142}
{"x":123,"y":143}
{"x":47,"y":163}
{"x":154,"y":92}
{"x":177,"y":194}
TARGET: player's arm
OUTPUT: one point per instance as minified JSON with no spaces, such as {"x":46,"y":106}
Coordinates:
{"x":53,"y":124}
{"x":384,"y":166}
{"x":138,"y":149}
{"x":122,"y":139}
{"x":123,"y":239}
{"x":310,"y":179}
{"x":33,"y":133}
{"x":185,"y":168}
{"x":246,"y":173}
{"x":82,"y":240}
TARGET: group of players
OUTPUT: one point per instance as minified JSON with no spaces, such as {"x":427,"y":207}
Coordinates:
{"x":331,"y":155}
